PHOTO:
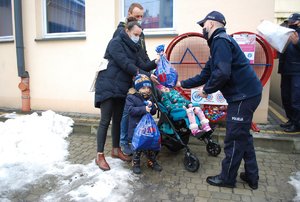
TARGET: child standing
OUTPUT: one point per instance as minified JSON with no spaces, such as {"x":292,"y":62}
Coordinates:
{"x":138,"y":104}
{"x":172,"y":99}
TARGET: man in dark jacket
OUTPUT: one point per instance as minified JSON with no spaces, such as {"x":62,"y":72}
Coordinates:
{"x":135,"y":10}
{"x":229,"y":71}
{"x":289,"y":68}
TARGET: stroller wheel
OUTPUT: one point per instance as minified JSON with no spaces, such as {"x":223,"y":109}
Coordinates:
{"x":213,"y":148}
{"x":191,"y":162}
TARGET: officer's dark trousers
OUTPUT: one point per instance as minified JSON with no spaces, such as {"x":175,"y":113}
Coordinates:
{"x":238,"y":143}
{"x":290,"y":95}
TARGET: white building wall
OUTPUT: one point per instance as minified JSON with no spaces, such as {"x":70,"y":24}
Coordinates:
{"x":61,"y":71}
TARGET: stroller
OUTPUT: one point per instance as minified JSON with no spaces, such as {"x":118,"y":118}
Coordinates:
{"x":175,"y":132}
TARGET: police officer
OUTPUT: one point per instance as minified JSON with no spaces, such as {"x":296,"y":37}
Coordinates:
{"x":289,"y":68}
{"x":229,"y":71}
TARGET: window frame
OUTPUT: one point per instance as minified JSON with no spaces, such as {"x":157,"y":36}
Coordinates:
{"x":47,"y":35}
{"x":9,"y":37}
{"x":152,"y":31}
{"x":6,"y":38}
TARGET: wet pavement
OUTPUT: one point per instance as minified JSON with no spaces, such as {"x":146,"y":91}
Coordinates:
{"x":277,"y":153}
{"x":175,"y":183}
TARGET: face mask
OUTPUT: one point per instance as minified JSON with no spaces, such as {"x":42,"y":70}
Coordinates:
{"x":205,"y":33}
{"x":140,"y":22}
{"x":293,"y":26}
{"x":135,"y":39}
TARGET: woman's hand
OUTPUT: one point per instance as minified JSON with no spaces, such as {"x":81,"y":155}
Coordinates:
{"x":154,"y":79}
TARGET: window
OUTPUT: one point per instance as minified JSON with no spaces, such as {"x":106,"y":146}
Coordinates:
{"x":158,"y":15}
{"x":6,"y":30}
{"x":64,"y":18}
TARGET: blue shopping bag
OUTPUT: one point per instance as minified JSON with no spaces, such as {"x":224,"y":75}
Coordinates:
{"x":166,"y":74}
{"x":146,"y":135}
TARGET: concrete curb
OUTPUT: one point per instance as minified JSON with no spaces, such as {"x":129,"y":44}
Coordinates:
{"x":267,"y":142}
{"x":270,"y":137}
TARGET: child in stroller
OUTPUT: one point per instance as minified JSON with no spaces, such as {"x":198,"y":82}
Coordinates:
{"x":183,"y":121}
{"x":172,"y":99}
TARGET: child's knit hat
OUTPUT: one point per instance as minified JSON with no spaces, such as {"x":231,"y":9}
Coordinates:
{"x":140,"y":81}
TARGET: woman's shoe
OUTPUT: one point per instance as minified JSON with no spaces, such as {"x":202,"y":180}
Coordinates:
{"x":117,"y":153}
{"x":101,"y":162}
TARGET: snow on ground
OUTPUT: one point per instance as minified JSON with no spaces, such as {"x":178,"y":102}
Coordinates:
{"x":295,"y":181}
{"x":33,"y":151}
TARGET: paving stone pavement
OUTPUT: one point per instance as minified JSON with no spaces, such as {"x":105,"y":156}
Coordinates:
{"x":175,"y":183}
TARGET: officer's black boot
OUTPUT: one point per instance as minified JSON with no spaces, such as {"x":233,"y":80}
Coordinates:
{"x":152,"y":163}
{"x":136,"y":162}
{"x":287,"y":124}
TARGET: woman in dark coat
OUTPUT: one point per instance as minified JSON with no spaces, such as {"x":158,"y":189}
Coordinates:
{"x":112,"y":86}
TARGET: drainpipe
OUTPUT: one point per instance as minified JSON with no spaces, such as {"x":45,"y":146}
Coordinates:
{"x":24,"y":84}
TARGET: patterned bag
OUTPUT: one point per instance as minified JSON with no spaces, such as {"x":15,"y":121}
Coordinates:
{"x":146,"y":135}
{"x":166,"y":74}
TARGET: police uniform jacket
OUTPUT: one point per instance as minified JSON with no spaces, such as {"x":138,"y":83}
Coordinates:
{"x":289,"y":61}
{"x":227,"y":70}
